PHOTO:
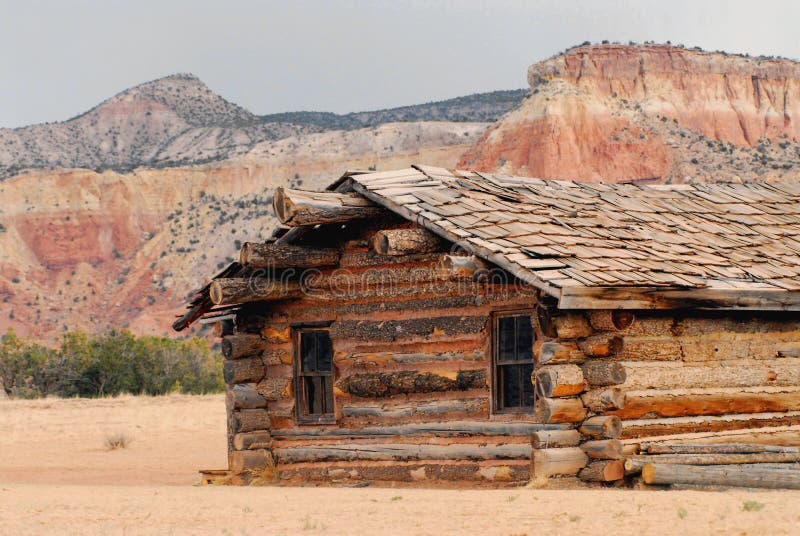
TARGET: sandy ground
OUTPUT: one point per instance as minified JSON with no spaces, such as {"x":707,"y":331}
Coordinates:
{"x":57,"y":476}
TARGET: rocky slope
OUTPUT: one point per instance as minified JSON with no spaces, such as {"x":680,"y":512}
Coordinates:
{"x":618,"y":113}
{"x":81,"y":249}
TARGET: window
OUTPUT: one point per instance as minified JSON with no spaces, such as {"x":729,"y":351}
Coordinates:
{"x":314,"y":375}
{"x":513,"y":362}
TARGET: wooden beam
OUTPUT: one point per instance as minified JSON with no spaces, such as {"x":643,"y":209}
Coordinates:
{"x":555,"y":410}
{"x":548,"y":439}
{"x":747,"y":476}
{"x":602,"y":471}
{"x":603,"y":449}
{"x":572,"y":326}
{"x":242,"y":345}
{"x":243,"y":290}
{"x":270,"y":255}
{"x":402,"y":451}
{"x":300,"y":207}
{"x":410,"y":241}
{"x":559,"y":380}
{"x":603,"y":373}
{"x":563,"y":461}
{"x":602,"y":427}
{"x":603,"y":400}
{"x":552,"y":353}
{"x":439,"y":429}
{"x":607,"y":320}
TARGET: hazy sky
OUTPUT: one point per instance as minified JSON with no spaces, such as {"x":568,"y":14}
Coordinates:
{"x":60,"y":58}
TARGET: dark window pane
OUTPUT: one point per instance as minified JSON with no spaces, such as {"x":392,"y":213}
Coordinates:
{"x":527,"y":385}
{"x":310,"y":393}
{"x":324,"y":352}
{"x":308,"y":351}
{"x":328,"y":386}
{"x":505,"y":338}
{"x":509,"y":375}
{"x":524,"y":338}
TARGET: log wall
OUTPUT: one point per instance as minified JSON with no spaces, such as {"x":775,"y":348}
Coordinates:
{"x":411,"y":378}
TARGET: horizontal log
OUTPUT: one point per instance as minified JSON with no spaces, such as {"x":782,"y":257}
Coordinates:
{"x":415,"y":240}
{"x":611,"y":320}
{"x":559,"y":380}
{"x":250,"y":420}
{"x":245,"y":396}
{"x":707,"y":424}
{"x":722,"y":448}
{"x":602,"y":471}
{"x":556,"y":410}
{"x":252,"y":441}
{"x":300,"y":207}
{"x":604,"y":449}
{"x":604,"y":400}
{"x":383,"y":384}
{"x":602,"y":345}
{"x":438,"y":429}
{"x":603,"y":373}
{"x":553,"y":353}
{"x":729,"y":373}
{"x":791,"y":349}
{"x":271,"y":255}
{"x":433,"y":408}
{"x":552,"y":462}
{"x":547,"y":439}
{"x":244,"y":345}
{"x":571,"y":326}
{"x":233,"y":291}
{"x":723,"y":459}
{"x":390,"y":330}
{"x":244,"y":370}
{"x":649,"y":348}
{"x":687,"y":402}
{"x":250,"y":461}
{"x":602,"y":427}
{"x":402,"y":452}
{"x":716,"y":345}
{"x":722,"y":475}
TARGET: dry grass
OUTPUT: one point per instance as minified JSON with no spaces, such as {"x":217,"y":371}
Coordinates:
{"x":118,"y":440}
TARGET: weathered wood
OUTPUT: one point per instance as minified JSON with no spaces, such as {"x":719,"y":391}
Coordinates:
{"x":547,"y":439}
{"x":300,"y":207}
{"x":791,"y":349}
{"x":438,"y":429}
{"x":729,"y":373}
{"x":249,"y":461}
{"x":603,"y":400}
{"x":374,"y":331}
{"x":253,"y":289}
{"x":555,"y":410}
{"x":686,"y":402}
{"x":747,"y":476}
{"x":383,"y":384}
{"x":633,"y":466}
{"x":244,"y":345}
{"x":722,"y":448}
{"x":559,"y":380}
{"x":616,"y":320}
{"x":553,"y":353}
{"x":465,"y":408}
{"x":402,"y":451}
{"x":245,"y":396}
{"x":604,"y":449}
{"x":275,"y":388}
{"x":572,"y":326}
{"x":406,"y":241}
{"x":563,"y":461}
{"x":723,"y":459}
{"x":602,"y":471}
{"x":244,"y":370}
{"x":707,"y":424}
{"x":465,"y":266}
{"x":603,"y":373}
{"x":270,"y":255}
{"x":602,"y":345}
{"x":252,"y":440}
{"x":250,"y":420}
{"x":602,"y":427}
{"x":649,"y":348}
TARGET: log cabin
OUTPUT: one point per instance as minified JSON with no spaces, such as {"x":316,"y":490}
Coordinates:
{"x":429,"y":325}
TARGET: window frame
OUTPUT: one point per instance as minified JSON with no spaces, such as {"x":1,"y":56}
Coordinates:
{"x":497,"y":392}
{"x":301,"y":396}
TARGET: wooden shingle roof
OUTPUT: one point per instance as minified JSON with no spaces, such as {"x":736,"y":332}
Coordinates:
{"x":613,"y":245}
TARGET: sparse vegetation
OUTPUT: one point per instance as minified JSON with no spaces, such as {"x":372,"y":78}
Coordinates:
{"x":109,"y":364}
{"x":118,"y":440}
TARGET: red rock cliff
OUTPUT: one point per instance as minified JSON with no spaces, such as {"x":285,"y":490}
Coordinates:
{"x":615,"y":113}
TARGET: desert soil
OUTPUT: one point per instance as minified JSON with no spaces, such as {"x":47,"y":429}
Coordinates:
{"x":57,"y":476}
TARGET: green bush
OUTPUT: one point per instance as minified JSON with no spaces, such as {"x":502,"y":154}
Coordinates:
{"x":109,"y":364}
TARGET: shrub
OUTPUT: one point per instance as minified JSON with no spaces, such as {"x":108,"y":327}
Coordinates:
{"x":108,"y":364}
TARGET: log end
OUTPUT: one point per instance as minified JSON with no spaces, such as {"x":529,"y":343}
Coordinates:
{"x":648,"y":473}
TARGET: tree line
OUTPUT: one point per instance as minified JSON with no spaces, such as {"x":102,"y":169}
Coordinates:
{"x":112,"y":363}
